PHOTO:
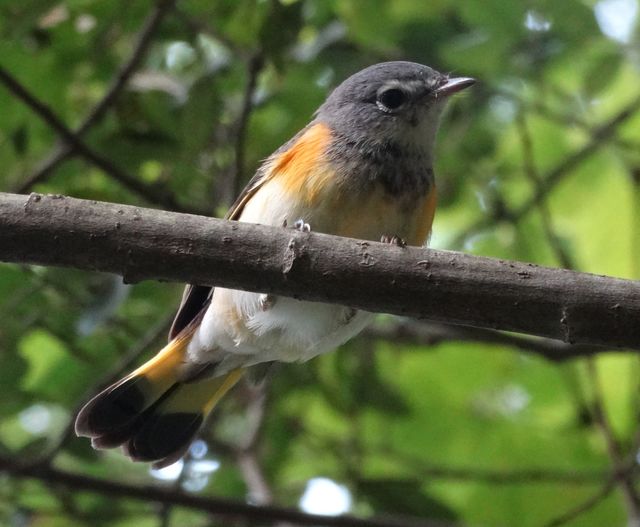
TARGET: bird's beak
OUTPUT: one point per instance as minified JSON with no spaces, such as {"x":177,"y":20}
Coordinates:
{"x":454,"y":85}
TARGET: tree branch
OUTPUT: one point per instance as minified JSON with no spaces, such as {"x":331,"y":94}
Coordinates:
{"x":254,"y":68}
{"x":412,"y":332}
{"x":62,"y":152}
{"x":525,"y":476}
{"x":213,"y":505}
{"x":151,"y":193}
{"x":588,"y":504}
{"x":624,"y":479}
{"x":600,"y":136}
{"x":447,"y":286}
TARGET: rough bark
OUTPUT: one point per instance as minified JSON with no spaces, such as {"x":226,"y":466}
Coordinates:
{"x":452,"y":287}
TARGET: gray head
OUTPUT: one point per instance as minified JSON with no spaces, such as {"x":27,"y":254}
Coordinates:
{"x":397,"y":102}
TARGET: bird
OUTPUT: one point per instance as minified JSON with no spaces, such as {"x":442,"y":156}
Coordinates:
{"x":362,"y":168}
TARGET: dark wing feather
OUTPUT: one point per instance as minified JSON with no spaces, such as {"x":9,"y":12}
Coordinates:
{"x":196,"y":297}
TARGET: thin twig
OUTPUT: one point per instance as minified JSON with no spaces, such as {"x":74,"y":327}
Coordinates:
{"x":423,"y":333}
{"x":152,"y":193}
{"x":246,"y":453}
{"x":585,"y":506}
{"x":254,"y":68}
{"x":231,"y":179}
{"x":119,"y":81}
{"x":201,"y":25}
{"x":601,"y":135}
{"x":624,"y":479}
{"x":516,"y":477}
{"x":427,"y":471}
{"x":555,"y":243}
{"x":568,"y":119}
{"x":532,"y":173}
{"x":166,"y":509}
{"x":524,"y":476}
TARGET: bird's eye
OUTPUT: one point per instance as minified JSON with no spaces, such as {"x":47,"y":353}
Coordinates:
{"x":391,"y":99}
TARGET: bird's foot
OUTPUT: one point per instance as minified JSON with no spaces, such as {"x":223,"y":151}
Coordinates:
{"x":301,"y":226}
{"x":394,"y":240}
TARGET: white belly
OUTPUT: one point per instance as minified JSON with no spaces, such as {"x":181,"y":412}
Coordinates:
{"x":240,"y":330}
{"x":290,"y":330}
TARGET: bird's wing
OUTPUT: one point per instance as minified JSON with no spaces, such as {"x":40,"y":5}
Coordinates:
{"x":196,"y":297}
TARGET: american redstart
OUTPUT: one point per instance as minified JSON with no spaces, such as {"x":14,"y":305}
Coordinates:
{"x":361,"y":168}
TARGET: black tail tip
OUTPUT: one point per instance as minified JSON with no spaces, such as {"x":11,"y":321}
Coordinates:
{"x":112,"y":410}
{"x":121,"y":415}
{"x":163,"y":437}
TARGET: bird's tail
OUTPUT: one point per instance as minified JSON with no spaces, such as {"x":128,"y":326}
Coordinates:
{"x":151,"y":412}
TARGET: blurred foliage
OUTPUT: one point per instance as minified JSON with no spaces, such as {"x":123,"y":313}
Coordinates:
{"x":390,"y":422}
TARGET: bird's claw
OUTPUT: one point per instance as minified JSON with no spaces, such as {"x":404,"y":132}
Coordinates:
{"x":393,"y":240}
{"x":301,"y":226}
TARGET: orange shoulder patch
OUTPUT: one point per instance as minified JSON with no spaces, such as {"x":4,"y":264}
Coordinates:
{"x":301,"y":169}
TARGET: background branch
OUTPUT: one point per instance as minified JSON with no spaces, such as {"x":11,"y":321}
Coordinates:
{"x":426,"y":333}
{"x":254,"y":67}
{"x":151,"y":193}
{"x":588,"y":504}
{"x":120,"y":79}
{"x":600,"y":136}
{"x":217,"y":506}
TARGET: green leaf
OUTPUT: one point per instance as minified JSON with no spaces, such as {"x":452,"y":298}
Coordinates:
{"x":53,"y":373}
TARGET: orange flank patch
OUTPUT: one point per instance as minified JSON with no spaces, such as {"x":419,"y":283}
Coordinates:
{"x":425,"y":218}
{"x":301,"y":169}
